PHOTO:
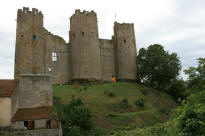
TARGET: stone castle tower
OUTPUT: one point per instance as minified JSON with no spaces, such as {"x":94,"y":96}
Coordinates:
{"x":30,"y":43}
{"x":125,"y":51}
{"x":84,"y":58}
{"x":84,"y":42}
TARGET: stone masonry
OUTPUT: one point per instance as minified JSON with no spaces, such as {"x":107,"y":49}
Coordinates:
{"x":85,"y":57}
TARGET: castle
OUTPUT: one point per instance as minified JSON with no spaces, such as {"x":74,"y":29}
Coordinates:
{"x":84,"y":58}
{"x":43,"y":59}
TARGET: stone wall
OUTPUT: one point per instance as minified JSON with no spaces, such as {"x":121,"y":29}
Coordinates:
{"x":125,"y":51}
{"x":84,"y":42}
{"x":107,"y":59}
{"x":84,"y":57}
{"x":39,"y":132}
{"x":30,"y":43}
{"x":35,"y":91}
{"x":58,"y":57}
{"x":5,"y":111}
{"x":35,"y":46}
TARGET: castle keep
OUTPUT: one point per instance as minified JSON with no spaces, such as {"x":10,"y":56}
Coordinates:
{"x":86,"y":57}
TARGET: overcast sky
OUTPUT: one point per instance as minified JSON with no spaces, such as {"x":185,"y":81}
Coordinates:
{"x":178,"y":25}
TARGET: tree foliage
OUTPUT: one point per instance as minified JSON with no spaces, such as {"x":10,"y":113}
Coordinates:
{"x":176,"y":89}
{"x":156,"y":67}
{"x":77,"y":119}
{"x":196,"y":79}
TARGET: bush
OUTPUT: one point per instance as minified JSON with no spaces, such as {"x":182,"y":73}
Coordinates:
{"x":76,"y":118}
{"x":125,"y":100}
{"x":81,"y":116}
{"x":162,"y":110}
{"x":124,"y":104}
{"x":192,"y":122}
{"x":144,"y":91}
{"x":140,"y":102}
{"x":85,"y":88}
{"x":176,"y":89}
{"x":111,"y":94}
{"x":99,"y":132}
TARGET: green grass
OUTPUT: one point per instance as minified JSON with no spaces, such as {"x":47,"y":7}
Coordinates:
{"x":113,"y":112}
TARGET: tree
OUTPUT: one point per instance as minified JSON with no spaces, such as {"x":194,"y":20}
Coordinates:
{"x":196,"y":79}
{"x":176,"y":89}
{"x":76,"y":118}
{"x":156,"y":67}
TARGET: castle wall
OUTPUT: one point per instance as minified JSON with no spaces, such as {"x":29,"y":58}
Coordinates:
{"x":35,"y":91}
{"x":35,"y":46}
{"x":5,"y":112}
{"x":85,"y":57}
{"x":84,"y":42}
{"x":107,"y":59}
{"x":125,"y":51}
{"x":58,"y":57}
{"x":37,"y":132}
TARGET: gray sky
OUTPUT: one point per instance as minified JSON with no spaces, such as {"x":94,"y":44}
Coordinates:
{"x":179,"y":25}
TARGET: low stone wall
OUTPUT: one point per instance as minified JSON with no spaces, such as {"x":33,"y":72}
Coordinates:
{"x":39,"y":132}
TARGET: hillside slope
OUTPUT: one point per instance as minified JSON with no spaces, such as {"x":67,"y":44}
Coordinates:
{"x":121,"y":105}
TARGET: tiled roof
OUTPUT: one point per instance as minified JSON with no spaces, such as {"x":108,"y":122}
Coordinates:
{"x":7,"y":87}
{"x":35,"y":113}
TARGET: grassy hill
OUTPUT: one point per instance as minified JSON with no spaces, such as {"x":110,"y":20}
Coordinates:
{"x":121,"y":105}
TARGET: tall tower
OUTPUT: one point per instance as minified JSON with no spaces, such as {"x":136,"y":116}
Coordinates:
{"x":85,"y":50}
{"x":30,"y":43}
{"x":125,"y":51}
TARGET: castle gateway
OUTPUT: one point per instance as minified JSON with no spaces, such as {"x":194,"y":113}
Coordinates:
{"x":85,"y":58}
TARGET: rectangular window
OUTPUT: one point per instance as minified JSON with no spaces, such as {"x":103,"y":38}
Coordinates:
{"x":54,"y":56}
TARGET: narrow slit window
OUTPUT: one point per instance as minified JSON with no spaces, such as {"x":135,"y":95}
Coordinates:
{"x":74,"y":35}
{"x":124,"y":41}
{"x":34,"y":37}
{"x":83,"y":33}
{"x":54,"y":56}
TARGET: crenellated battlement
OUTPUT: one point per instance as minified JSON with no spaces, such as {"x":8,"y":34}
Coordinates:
{"x":116,"y":24}
{"x":84,"y":12}
{"x":29,"y":17}
{"x":26,"y":11}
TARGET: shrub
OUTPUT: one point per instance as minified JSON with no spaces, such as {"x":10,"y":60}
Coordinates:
{"x":144,"y":91}
{"x":124,"y":104}
{"x":192,"y":121}
{"x":176,"y":89}
{"x":140,"y":102}
{"x":125,"y":100}
{"x":111,"y":94}
{"x":81,"y":116}
{"x":76,"y":118}
{"x":85,"y":88}
{"x":162,"y":110}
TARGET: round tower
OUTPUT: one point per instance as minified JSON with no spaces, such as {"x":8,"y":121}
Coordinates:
{"x":85,"y":50}
{"x":125,"y":51}
{"x":30,"y":43}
